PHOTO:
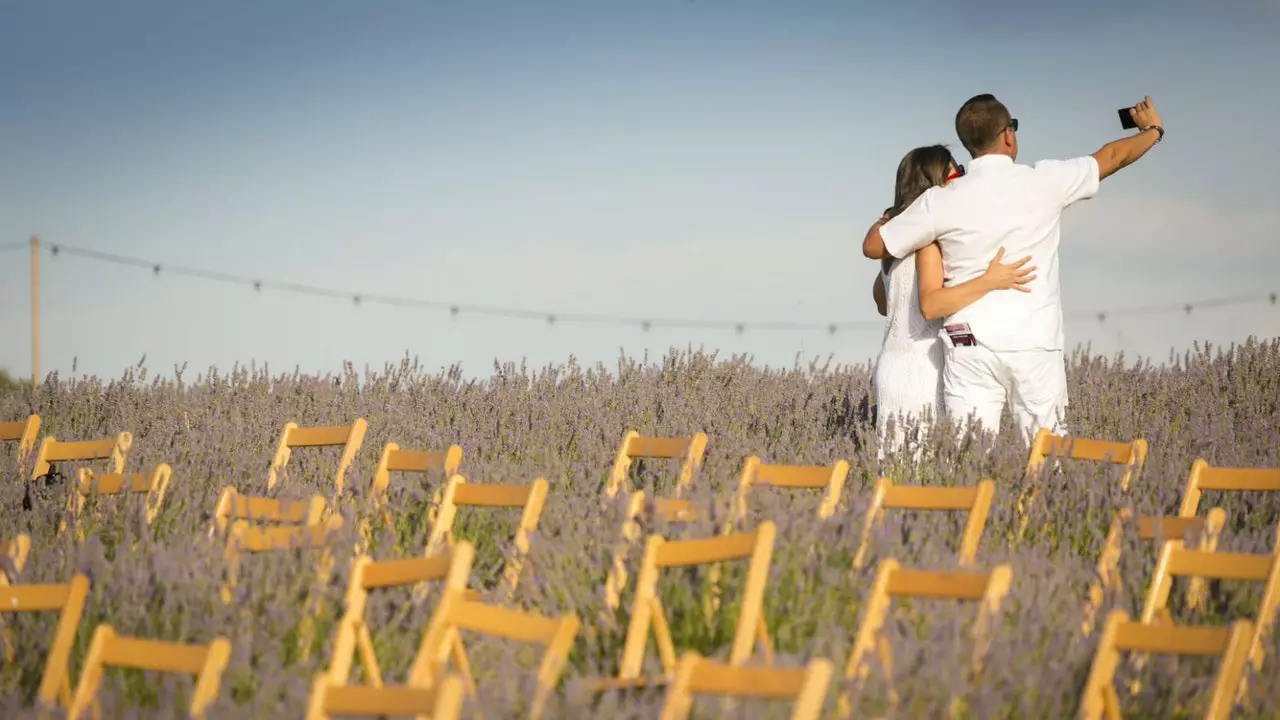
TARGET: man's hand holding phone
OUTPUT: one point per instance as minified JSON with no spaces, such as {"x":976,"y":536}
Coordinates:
{"x":1142,"y":116}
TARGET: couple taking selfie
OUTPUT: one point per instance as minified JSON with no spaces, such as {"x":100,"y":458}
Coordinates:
{"x":968,"y":279}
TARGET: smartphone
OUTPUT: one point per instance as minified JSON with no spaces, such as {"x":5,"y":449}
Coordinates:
{"x":1126,"y":122}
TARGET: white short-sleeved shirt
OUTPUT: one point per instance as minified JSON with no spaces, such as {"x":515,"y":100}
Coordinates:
{"x":999,"y":203}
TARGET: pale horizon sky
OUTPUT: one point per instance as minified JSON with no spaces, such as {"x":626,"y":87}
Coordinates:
{"x":665,"y":158}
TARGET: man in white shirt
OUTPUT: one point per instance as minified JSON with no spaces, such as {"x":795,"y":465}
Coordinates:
{"x":1006,"y":346}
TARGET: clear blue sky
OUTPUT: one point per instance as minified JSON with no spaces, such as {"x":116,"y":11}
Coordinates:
{"x":666,"y":158}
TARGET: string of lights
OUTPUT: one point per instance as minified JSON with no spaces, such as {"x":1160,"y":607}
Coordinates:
{"x":259,"y":284}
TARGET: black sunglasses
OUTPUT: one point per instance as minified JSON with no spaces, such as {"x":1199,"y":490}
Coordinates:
{"x":1013,"y":124}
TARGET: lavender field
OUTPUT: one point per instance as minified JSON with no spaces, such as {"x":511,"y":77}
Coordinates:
{"x":564,"y":424}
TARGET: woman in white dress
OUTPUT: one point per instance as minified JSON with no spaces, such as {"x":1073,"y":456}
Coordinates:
{"x":907,"y":379}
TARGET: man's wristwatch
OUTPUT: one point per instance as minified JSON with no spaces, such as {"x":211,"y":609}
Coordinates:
{"x":1157,"y":128}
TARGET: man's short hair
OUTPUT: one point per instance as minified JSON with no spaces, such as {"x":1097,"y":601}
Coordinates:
{"x":980,"y":121}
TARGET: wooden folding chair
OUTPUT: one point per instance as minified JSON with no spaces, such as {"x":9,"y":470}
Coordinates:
{"x":1119,"y":634}
{"x":153,"y":485}
{"x":458,"y":493}
{"x":246,"y":538}
{"x":15,"y":551}
{"x":455,"y":614}
{"x":451,"y":567}
{"x":53,"y":450}
{"x":1204,"y":476}
{"x":23,"y":432}
{"x":441,"y":702}
{"x":1175,"y":561}
{"x":667,"y":511}
{"x":348,"y":437}
{"x":204,"y":662}
{"x":68,"y":601}
{"x":987,"y":588}
{"x":393,"y":459}
{"x":975,"y":500}
{"x":794,"y":477}
{"x":1225,"y":479}
{"x":688,"y":450}
{"x":647,"y":612}
{"x":695,"y":675}
{"x":1129,"y":454}
{"x":1204,"y":531}
{"x":232,"y":506}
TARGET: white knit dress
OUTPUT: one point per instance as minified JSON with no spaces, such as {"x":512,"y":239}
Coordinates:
{"x":908,"y":375}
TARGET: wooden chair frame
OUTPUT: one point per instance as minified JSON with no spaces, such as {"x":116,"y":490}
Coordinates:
{"x":458,"y":493}
{"x":1177,"y":561}
{"x":688,"y":449}
{"x":205,"y":662}
{"x":647,"y":613}
{"x":663,"y":510}
{"x":68,"y":600}
{"x":441,"y":702}
{"x":24,"y":433}
{"x":53,"y":450}
{"x":16,"y":550}
{"x":153,"y":485}
{"x":695,"y":675}
{"x":975,"y":500}
{"x":1231,"y":643}
{"x":892,"y":580}
{"x":352,"y":639}
{"x":1131,"y":455}
{"x":455,"y":613}
{"x":246,"y":538}
{"x":1204,"y":477}
{"x":830,"y":478}
{"x":1205,"y":532}
{"x":232,"y":506}
{"x":348,"y":436}
{"x":393,"y":459}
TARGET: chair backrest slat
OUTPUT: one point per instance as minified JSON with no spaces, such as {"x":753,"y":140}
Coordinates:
{"x":54,"y":450}
{"x":702,"y":551}
{"x":695,"y":675}
{"x":442,"y":701}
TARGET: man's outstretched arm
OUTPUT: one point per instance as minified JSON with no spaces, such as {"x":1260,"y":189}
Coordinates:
{"x":1126,"y":151}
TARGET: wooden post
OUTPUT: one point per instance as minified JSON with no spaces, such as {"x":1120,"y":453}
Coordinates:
{"x":35,"y":311}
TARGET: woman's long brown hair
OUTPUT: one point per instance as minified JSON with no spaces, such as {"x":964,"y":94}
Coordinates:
{"x":919,"y":170}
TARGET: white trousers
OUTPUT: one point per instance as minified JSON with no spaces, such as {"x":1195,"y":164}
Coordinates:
{"x":977,"y":382}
